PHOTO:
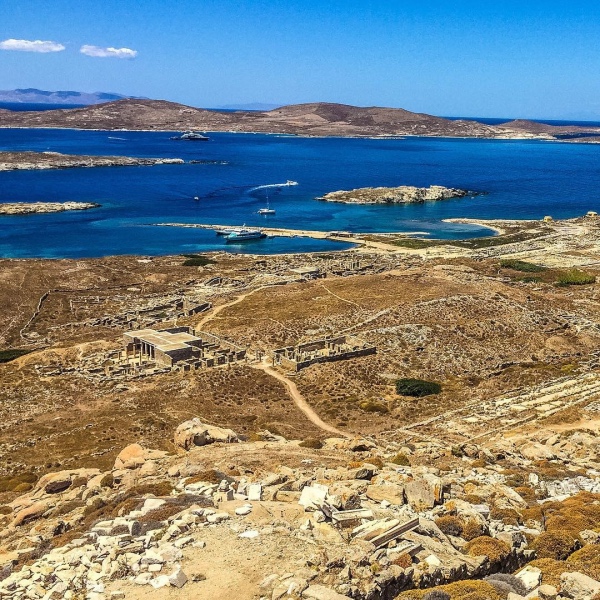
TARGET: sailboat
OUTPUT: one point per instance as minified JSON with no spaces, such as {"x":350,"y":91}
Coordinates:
{"x":266,"y":211}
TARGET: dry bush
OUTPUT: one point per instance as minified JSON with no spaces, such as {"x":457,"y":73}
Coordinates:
{"x":509,"y":516}
{"x":474,"y":499}
{"x":471,"y":589}
{"x":162,"y":513}
{"x":400,"y":459}
{"x":527,"y":493}
{"x":404,"y":561}
{"x":472,"y":529}
{"x":495,"y":550}
{"x":162,"y":488}
{"x":573,"y":514}
{"x":313,"y":443}
{"x":588,"y":554}
{"x":376,"y":461}
{"x":534,"y":513}
{"x":555,"y":544}
{"x":503,"y":582}
{"x":208,"y":476}
{"x":450,"y":525}
{"x":552,"y":569}
{"x":436,"y":595}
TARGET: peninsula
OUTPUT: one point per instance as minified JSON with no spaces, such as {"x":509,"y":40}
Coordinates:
{"x":28,"y":208}
{"x":311,"y":119}
{"x":15,"y":161}
{"x":404,"y":194}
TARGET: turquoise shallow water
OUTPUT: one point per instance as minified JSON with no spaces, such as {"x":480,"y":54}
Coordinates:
{"x":523,"y":180}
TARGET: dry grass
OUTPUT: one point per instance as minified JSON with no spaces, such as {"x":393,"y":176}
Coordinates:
{"x":450,"y":525}
{"x":495,"y":550}
{"x":459,"y":590}
{"x":552,"y":569}
{"x":558,"y":544}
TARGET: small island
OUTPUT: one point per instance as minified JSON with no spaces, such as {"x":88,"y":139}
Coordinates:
{"x":404,"y":194}
{"x":29,"y":208}
{"x":16,"y":161}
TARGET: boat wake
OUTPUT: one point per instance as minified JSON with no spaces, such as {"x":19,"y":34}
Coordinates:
{"x":288,"y":183}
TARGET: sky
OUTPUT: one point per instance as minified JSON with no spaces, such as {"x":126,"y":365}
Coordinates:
{"x":527,"y":58}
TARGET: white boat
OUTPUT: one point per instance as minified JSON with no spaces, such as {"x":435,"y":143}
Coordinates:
{"x":266,"y":211}
{"x":244,"y":235}
{"x":191,"y":135}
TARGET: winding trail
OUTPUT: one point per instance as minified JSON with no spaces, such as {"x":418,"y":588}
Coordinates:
{"x":296,"y":396}
{"x":299,"y":400}
{"x":215,"y":311}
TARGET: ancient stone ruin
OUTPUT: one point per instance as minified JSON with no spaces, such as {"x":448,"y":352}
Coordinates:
{"x":328,"y":349}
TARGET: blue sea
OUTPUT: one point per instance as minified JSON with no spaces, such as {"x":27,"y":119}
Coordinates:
{"x":521,"y":180}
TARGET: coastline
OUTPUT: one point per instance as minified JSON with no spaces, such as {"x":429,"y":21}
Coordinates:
{"x":399,"y":136}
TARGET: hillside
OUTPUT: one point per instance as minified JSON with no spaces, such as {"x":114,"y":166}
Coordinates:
{"x":314,"y":119}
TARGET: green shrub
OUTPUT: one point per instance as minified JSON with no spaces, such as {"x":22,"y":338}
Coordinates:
{"x":197,"y":260}
{"x":417,"y":388}
{"x":8,"y":355}
{"x":372,"y":406}
{"x":401,"y":460}
{"x":521,"y":265}
{"x":575,"y":277}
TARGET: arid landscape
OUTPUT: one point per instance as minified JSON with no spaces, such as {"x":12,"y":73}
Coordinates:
{"x":313,"y":119}
{"x":345,"y":482}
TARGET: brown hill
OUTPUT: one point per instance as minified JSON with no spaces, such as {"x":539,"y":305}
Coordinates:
{"x":315,"y":119}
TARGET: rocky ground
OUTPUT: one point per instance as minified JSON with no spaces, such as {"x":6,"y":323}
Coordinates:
{"x":160,"y":484}
{"x":13,"y":161}
{"x":279,"y":519}
{"x":405,"y":194}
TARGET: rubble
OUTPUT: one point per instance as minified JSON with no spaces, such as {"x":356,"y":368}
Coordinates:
{"x":366,"y":545}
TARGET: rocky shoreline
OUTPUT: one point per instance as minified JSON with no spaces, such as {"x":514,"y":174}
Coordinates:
{"x":29,"y":208}
{"x":404,"y":194}
{"x":17,"y":161}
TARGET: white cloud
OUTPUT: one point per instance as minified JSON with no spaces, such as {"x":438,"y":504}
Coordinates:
{"x":108,"y":52}
{"x":31,"y":46}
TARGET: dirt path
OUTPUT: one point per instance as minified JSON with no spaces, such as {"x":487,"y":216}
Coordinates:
{"x":215,"y":311}
{"x":299,"y":400}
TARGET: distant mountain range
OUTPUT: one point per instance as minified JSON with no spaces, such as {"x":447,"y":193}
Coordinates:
{"x":314,"y":119}
{"x":35,"y":96}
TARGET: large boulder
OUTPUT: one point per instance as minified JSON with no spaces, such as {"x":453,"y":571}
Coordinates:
{"x":131,"y":457}
{"x":35,"y":511}
{"x":59,"y":481}
{"x":578,"y":586}
{"x":195,"y":433}
{"x":424,"y":493}
{"x":135,"y":456}
{"x":392,"y":493}
{"x":537,"y":451}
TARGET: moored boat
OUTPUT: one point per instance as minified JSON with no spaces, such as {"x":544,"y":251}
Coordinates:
{"x":193,"y":136}
{"x":244,"y":235}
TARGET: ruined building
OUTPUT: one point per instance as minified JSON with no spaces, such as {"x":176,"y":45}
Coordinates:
{"x":294,"y":358}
